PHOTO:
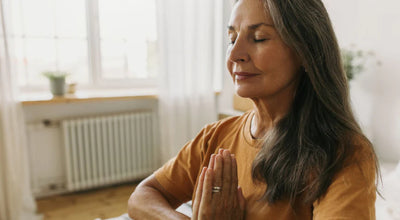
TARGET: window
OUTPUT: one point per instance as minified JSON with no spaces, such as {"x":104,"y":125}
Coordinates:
{"x":99,"y":42}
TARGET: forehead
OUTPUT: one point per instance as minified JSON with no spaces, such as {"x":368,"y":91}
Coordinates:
{"x":248,"y":12}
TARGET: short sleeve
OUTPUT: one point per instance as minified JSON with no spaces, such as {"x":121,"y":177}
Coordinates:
{"x":352,"y":193}
{"x":178,"y":176}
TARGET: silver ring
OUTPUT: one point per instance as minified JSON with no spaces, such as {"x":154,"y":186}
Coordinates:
{"x":216,"y":189}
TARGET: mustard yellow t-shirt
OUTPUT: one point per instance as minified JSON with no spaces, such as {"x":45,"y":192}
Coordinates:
{"x":350,"y":196}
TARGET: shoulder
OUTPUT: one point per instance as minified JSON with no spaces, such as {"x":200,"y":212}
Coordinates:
{"x":362,"y":147}
{"x":362,"y":157}
{"x":360,"y":164}
{"x":352,"y":193}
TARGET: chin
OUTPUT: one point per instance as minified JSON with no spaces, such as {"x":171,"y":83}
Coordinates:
{"x":247,"y":90}
{"x":245,"y":93}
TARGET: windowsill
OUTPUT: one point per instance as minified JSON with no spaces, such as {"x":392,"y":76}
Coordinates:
{"x":39,"y":98}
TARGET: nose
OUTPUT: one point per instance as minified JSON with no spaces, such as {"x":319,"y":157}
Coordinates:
{"x":238,"y":51}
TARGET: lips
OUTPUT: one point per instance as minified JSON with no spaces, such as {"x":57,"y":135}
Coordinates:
{"x":244,"y":75}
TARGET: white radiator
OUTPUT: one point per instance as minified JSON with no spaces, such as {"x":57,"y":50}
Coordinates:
{"x":110,"y":149}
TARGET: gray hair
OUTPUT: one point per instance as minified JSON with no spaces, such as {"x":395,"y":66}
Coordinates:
{"x":310,"y":145}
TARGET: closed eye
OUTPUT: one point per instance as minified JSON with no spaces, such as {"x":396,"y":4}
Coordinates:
{"x":259,"y":40}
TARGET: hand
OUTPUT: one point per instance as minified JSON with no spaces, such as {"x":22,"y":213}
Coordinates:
{"x":229,"y":203}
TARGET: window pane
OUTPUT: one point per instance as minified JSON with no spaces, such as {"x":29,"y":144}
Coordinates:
{"x":50,"y":35}
{"x":40,"y":56}
{"x":39,"y":17}
{"x":73,"y":58}
{"x":112,"y":17}
{"x":20,"y":61}
{"x":137,"y":59}
{"x":130,"y":24}
{"x":112,"y":59}
{"x":17,"y":18}
{"x":71,"y":18}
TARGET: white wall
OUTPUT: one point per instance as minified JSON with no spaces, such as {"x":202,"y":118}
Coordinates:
{"x":370,"y":25}
{"x":373,"y":25}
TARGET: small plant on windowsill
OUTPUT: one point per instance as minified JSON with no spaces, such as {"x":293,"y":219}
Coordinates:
{"x":354,"y":61}
{"x":57,"y":82}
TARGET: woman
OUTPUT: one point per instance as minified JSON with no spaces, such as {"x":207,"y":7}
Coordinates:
{"x":299,"y":154}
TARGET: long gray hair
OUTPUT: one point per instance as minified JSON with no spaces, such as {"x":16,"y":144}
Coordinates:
{"x":311,"y":143}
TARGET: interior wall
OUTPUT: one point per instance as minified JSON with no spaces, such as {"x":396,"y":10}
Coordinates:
{"x":374,"y":26}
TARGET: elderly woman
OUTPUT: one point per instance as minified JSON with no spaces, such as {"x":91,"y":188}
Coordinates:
{"x":299,"y":154}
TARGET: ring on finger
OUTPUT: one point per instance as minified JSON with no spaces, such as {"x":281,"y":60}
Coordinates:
{"x":216,"y":189}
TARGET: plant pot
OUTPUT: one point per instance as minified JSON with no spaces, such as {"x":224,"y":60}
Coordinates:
{"x":57,"y":86}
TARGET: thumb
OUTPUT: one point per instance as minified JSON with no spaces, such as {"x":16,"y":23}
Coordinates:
{"x":242,"y":200}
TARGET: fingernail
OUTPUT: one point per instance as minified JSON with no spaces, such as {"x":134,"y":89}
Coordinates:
{"x":226,"y":152}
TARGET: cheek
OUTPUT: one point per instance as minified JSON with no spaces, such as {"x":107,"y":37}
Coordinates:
{"x":264,"y":62}
{"x":279,"y":60}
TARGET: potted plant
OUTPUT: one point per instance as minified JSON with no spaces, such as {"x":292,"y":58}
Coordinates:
{"x":57,"y":82}
{"x":354,"y":61}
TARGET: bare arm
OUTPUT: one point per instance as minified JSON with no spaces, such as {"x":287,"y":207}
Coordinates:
{"x":151,"y":201}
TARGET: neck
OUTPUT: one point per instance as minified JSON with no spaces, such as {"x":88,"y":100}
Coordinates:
{"x":268,"y":112}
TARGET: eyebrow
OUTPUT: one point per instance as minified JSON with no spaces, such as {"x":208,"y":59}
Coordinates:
{"x":253,"y":26}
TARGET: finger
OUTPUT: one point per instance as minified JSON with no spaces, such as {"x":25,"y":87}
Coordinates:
{"x":212,"y":161}
{"x":217,"y":181}
{"x":242,"y":200}
{"x":221,"y":151}
{"x":218,"y":171}
{"x":226,"y":174}
{"x":199,"y":191}
{"x":206,"y":193}
{"x":234,"y":175}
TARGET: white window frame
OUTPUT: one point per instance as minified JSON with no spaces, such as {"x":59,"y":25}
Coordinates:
{"x":96,"y":82}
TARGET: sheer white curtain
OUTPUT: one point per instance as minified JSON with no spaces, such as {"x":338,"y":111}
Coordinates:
{"x":16,"y":200}
{"x":190,"y":34}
